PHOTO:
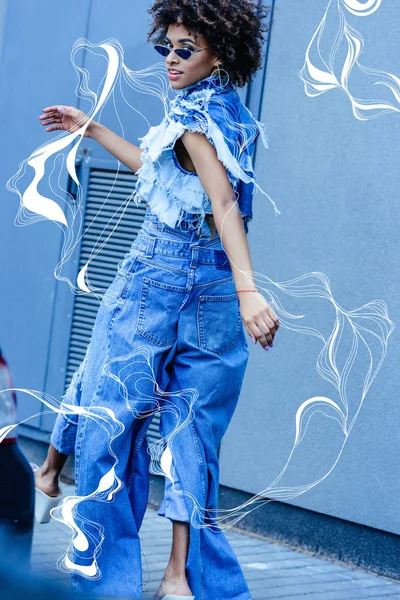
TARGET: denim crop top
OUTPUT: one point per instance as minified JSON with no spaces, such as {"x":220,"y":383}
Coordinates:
{"x":175,"y":194}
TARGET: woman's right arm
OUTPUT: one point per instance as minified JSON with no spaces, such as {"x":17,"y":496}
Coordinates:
{"x":124,"y":151}
{"x":69,"y":118}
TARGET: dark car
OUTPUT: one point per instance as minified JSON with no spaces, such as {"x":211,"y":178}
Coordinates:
{"x":17,"y":489}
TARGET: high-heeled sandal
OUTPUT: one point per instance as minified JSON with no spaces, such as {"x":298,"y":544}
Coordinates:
{"x":43,"y":502}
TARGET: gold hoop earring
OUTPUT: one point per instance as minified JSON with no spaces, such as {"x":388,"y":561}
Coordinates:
{"x":217,"y":73}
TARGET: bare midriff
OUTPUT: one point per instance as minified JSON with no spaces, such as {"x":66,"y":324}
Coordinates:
{"x":211,"y":224}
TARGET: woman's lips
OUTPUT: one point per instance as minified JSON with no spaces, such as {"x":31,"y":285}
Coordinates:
{"x":174,"y":76}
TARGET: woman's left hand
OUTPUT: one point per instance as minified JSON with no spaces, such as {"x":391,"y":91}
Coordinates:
{"x":258,"y":317}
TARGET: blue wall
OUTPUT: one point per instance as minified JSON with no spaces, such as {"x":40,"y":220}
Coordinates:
{"x":35,"y":72}
{"x":335,"y":180}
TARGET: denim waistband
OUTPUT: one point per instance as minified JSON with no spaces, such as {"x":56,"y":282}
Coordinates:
{"x":156,"y":237}
{"x":187,"y":229}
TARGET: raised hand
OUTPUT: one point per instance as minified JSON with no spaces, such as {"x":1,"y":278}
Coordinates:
{"x":65,"y":118}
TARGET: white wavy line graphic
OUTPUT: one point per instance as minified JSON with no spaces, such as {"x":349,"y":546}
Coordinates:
{"x":319,"y":73}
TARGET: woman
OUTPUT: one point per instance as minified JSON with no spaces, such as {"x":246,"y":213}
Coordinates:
{"x":184,"y":290}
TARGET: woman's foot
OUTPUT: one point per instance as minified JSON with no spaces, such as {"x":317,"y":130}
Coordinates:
{"x":175,"y":581}
{"x":47,"y":481}
{"x":173,"y":585}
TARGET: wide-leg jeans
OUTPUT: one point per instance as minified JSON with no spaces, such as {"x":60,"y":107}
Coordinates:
{"x":168,"y":337}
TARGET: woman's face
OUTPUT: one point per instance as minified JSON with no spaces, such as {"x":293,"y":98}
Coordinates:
{"x":198,"y":66}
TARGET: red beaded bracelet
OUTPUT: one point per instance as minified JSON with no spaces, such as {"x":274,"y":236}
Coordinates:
{"x":247,"y":290}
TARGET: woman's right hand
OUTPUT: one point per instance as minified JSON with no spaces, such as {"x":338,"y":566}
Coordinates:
{"x":65,"y":118}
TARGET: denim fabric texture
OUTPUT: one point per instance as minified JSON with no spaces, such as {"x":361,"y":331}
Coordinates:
{"x":173,"y":297}
{"x":170,"y":190}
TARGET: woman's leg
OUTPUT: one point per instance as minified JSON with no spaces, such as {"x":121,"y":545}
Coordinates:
{"x":63,"y":436}
{"x":62,"y":439}
{"x":173,"y":506}
{"x":207,"y":376}
{"x":46,"y":477}
{"x":175,"y":580}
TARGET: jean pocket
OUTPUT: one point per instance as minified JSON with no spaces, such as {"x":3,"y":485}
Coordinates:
{"x":218,"y":322}
{"x":117,"y":291}
{"x":159,"y":311}
{"x":127,"y":265}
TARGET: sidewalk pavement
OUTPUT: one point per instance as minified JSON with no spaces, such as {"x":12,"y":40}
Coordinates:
{"x":272,"y":570}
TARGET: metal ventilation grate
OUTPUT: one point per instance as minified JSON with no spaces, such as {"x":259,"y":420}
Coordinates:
{"x":113,"y":189}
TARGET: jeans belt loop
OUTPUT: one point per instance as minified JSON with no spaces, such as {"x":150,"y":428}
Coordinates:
{"x":150,"y":246}
{"x":195,"y":257}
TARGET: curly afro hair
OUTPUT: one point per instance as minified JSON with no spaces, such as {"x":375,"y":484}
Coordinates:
{"x":233,"y":29}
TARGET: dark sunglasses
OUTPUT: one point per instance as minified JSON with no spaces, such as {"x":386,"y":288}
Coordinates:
{"x":184,"y":53}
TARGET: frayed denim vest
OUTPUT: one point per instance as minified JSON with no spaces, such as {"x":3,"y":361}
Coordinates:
{"x":177,"y":195}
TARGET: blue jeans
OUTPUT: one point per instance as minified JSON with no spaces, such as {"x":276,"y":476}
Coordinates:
{"x":168,"y":337}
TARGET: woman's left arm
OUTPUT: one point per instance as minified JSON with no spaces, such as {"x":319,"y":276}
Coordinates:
{"x":258,"y":317}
